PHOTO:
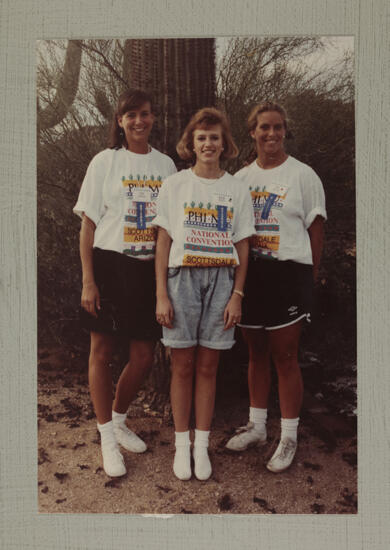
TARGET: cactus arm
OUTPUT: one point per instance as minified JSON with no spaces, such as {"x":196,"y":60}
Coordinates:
{"x":66,"y":90}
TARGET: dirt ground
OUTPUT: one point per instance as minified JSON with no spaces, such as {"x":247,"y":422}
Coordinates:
{"x":322,"y":479}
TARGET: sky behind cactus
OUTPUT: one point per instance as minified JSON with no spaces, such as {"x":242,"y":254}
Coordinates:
{"x":335,"y":48}
{"x":329,"y":58}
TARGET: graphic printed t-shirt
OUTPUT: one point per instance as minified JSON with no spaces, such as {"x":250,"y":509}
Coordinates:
{"x":204,"y":218}
{"x":119,"y":194}
{"x":286,"y":200}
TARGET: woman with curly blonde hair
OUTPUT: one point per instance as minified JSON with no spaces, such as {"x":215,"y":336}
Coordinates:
{"x":204,"y":217}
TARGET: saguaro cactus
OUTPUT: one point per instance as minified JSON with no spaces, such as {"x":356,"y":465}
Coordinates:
{"x":66,"y":89}
{"x":181,"y":74}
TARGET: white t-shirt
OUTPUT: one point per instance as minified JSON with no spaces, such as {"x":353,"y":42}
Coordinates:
{"x":204,"y":218}
{"x":119,"y":194}
{"x":286,"y":200}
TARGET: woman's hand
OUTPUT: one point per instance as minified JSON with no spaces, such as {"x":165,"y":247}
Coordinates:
{"x":164,"y":312}
{"x":232,"y":313}
{"x":164,"y":309}
{"x":90,"y":298}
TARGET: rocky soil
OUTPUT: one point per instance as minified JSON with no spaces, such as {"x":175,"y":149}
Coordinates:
{"x":322,"y":479}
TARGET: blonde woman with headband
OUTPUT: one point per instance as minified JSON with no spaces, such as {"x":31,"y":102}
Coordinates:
{"x":289,"y":208}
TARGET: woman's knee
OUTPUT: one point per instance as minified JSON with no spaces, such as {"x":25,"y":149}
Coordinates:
{"x":101,"y":349}
{"x":207,"y":369}
{"x":207,"y":362}
{"x":182,"y":362}
{"x":142,"y":356}
{"x":285,"y":360}
{"x":183,"y":370}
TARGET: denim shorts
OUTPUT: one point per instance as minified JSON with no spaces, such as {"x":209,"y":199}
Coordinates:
{"x":199,"y":296}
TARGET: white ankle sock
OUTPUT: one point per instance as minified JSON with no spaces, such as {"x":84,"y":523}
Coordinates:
{"x":119,"y":418}
{"x":259,"y":419}
{"x":201,"y":456}
{"x":107,"y":436}
{"x":113,"y":462}
{"x":182,"y":460}
{"x":182,"y":439}
{"x":289,"y":428}
{"x":201,"y":438}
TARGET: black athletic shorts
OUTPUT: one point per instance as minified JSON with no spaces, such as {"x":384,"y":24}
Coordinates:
{"x":277,"y":294}
{"x":127,"y":288}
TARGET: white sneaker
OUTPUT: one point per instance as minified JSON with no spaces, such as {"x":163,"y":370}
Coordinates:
{"x":182,"y":463}
{"x":203,"y":468}
{"x":283,"y":456}
{"x":246,"y":437}
{"x":128,"y":439}
{"x":113,"y":462}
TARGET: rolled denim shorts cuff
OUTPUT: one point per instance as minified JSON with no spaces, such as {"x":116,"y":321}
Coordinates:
{"x":180,"y":344}
{"x":217,"y":345}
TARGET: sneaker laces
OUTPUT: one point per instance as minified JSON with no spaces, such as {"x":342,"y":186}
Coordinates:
{"x":123,"y":428}
{"x":285,"y":447}
{"x":246,"y":428}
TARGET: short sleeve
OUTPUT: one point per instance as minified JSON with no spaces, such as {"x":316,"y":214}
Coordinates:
{"x":90,"y":200}
{"x":244,"y":219}
{"x":171,"y":167}
{"x":162,"y":208}
{"x":241,"y":174}
{"x":313,"y":197}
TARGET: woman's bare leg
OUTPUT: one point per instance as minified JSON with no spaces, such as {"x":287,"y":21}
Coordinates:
{"x":141,"y":357}
{"x":259,"y":382}
{"x":99,"y":374}
{"x":100,"y":384}
{"x":183,"y":361}
{"x":284,"y":344}
{"x":259,"y":369}
{"x":206,"y":373}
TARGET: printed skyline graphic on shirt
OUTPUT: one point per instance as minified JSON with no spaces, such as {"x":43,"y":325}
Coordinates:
{"x":139,"y":214}
{"x":208,"y":235}
{"x":265,"y":205}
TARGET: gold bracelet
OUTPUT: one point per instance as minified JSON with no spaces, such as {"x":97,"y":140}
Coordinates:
{"x":239,"y":292}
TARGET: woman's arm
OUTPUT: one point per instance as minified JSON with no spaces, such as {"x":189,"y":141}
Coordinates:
{"x":316,"y":234}
{"x":164,"y":309}
{"x":90,"y":298}
{"x":232,"y":313}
